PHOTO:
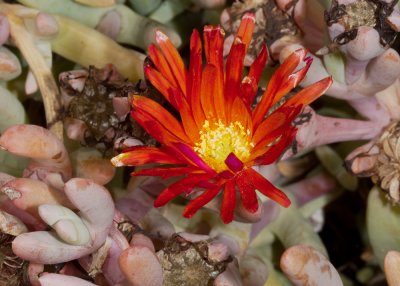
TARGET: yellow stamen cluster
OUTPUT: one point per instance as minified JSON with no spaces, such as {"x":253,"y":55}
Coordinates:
{"x":218,"y":141}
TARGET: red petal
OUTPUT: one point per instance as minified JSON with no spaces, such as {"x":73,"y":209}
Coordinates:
{"x":160,"y":83}
{"x":188,"y":122}
{"x":173,"y":58}
{"x":247,"y":191}
{"x":228,"y":202}
{"x":234,"y":70}
{"x":159,"y":115}
{"x":141,"y":155}
{"x":208,"y":91}
{"x":310,"y":93}
{"x":174,"y":190}
{"x":271,"y":154}
{"x":194,"y":79}
{"x":249,"y":84}
{"x":248,"y":89}
{"x":280,"y":83}
{"x":275,"y":125}
{"x":154,"y":128}
{"x":258,"y":65}
{"x":200,"y":201}
{"x":267,"y":189}
{"x":234,"y":163}
{"x":213,"y":48}
{"x":235,"y":60}
{"x":166,"y":172}
{"x":246,"y":28}
{"x":192,"y":157}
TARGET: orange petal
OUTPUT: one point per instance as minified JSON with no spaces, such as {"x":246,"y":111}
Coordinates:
{"x":194,"y":79}
{"x":310,"y":93}
{"x":241,"y":113}
{"x":246,"y":28}
{"x":173,"y":58}
{"x":208,"y":90}
{"x":141,"y":155}
{"x":161,"y":64}
{"x":279,"y":84}
{"x":228,"y":201}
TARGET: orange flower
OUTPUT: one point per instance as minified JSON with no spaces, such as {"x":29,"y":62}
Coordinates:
{"x":219,"y":137}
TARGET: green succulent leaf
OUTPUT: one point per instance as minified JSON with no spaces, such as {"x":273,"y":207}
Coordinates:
{"x":383,"y":224}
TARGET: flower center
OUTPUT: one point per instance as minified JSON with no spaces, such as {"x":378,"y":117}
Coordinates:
{"x":217,"y":141}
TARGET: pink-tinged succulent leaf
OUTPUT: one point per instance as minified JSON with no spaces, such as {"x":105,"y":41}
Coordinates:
{"x":4,"y":29}
{"x":392,"y":265}
{"x":304,"y":265}
{"x":89,"y":163}
{"x":46,"y":25}
{"x":96,"y":209}
{"x":42,"y":146}
{"x":229,"y":277}
{"x":52,"y":279}
{"x":141,"y":266}
{"x":110,"y":267}
{"x":155,"y":225}
{"x":139,"y":239}
{"x":28,"y":194}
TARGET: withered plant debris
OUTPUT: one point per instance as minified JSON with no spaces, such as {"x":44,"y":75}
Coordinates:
{"x":94,"y":106}
{"x":272,"y":23}
{"x":186,"y":263}
{"x":381,"y":162}
{"x":128,"y":228}
{"x":387,"y":167}
{"x":370,"y":13}
{"x":13,"y":270}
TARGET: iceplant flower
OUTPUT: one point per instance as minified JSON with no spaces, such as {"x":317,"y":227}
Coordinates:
{"x":219,"y":136}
